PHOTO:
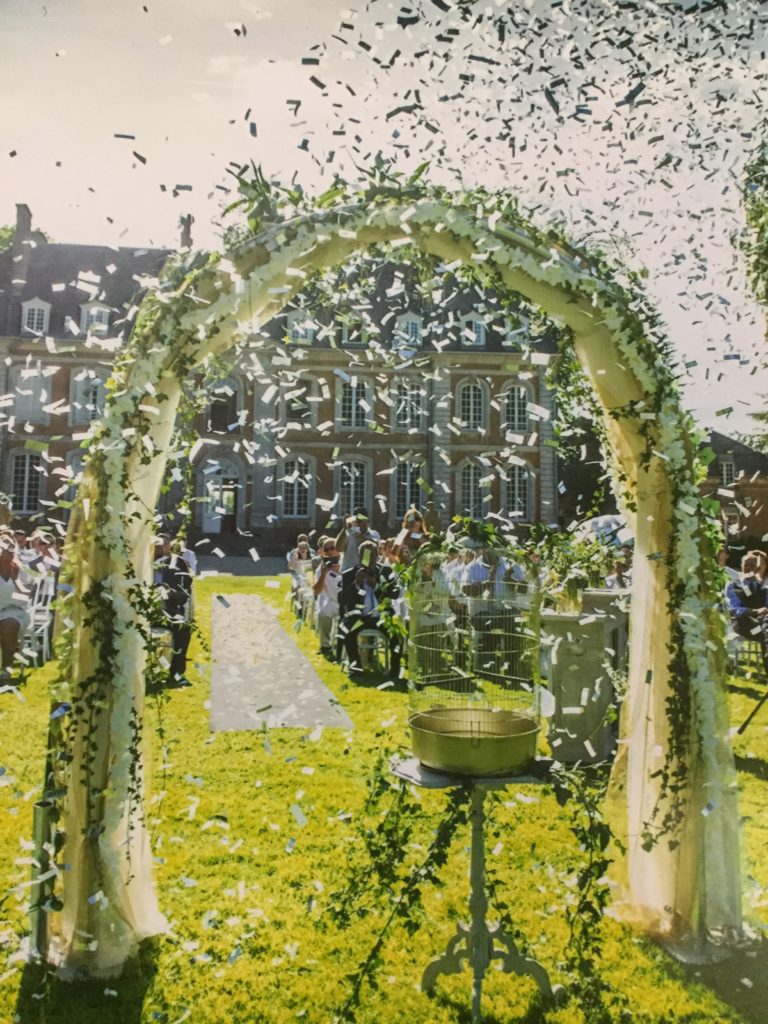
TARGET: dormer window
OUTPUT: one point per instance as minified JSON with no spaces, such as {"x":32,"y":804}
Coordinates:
{"x":301,"y":328}
{"x":35,"y":316}
{"x":728,"y":473}
{"x":472,"y":331}
{"x":407,"y":331}
{"x":94,"y":318}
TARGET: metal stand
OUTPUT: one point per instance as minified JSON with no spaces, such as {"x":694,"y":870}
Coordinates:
{"x":478,"y":943}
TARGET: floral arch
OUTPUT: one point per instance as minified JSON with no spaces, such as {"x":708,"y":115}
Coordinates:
{"x":672,"y":796}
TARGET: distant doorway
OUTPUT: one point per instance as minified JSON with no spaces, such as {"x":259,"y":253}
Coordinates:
{"x":220,"y":499}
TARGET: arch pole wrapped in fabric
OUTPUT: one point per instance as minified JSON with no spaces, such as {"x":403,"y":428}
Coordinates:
{"x":673,"y":795}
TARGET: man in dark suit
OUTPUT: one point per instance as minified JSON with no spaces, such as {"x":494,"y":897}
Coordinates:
{"x":365,"y":587}
{"x":174,"y":582}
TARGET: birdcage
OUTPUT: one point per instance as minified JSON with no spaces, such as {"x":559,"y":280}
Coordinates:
{"x":473,"y":663}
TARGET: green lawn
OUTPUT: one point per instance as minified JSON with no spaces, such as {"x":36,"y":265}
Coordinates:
{"x":245,"y":884}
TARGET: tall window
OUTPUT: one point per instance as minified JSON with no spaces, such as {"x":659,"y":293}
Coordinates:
{"x":408,"y":406}
{"x":407,"y":487}
{"x":26,"y":482}
{"x":352,"y":486}
{"x":29,"y":392}
{"x":518,"y":493}
{"x":473,"y":331}
{"x":471,"y":405}
{"x":728,"y":473}
{"x":356,"y":408}
{"x":298,"y":411}
{"x":471,"y":490}
{"x":223,"y":413}
{"x":296,"y":484}
{"x":516,"y":408}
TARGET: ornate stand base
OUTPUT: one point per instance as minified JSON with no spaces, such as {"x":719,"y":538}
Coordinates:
{"x":478,"y":943}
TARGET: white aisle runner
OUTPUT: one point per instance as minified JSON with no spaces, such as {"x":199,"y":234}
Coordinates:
{"x":259,"y":676}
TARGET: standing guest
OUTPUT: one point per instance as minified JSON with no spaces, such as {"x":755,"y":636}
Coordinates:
{"x":301,"y":564}
{"x":747,"y":601}
{"x":413,"y":534}
{"x":363,"y":587}
{"x":722,"y":561}
{"x":356,"y":531}
{"x":13,"y":615}
{"x":762,"y":562}
{"x":327,"y":587}
{"x":174,"y":582}
{"x":180,"y":547}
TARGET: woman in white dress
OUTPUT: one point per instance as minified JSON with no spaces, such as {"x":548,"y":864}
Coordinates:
{"x":13,"y":615}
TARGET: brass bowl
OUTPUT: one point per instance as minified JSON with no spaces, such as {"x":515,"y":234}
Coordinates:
{"x":474,"y":741}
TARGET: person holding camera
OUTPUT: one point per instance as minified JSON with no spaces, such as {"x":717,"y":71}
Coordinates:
{"x":356,"y":531}
{"x":326,"y":588}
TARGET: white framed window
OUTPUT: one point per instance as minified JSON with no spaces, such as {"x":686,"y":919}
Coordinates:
{"x":407,"y":488}
{"x":301,"y":329}
{"x":352,"y":486}
{"x":94,"y":318}
{"x":86,"y":397}
{"x":26,"y":482}
{"x":472,"y":405}
{"x":298,"y":405}
{"x":514,"y":409}
{"x":519,"y":492}
{"x":225,"y":406}
{"x":35,"y":316}
{"x":473,"y":331}
{"x":407,"y":403}
{"x":473,"y":490}
{"x":516,"y":331}
{"x":30,"y":393}
{"x":220,"y":486}
{"x":355,"y":406}
{"x":354,"y":331}
{"x":408,"y":332}
{"x":296,"y":481}
{"x":728,"y":472}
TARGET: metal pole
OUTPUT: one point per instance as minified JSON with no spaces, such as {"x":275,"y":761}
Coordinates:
{"x":478,"y":903}
{"x":38,"y":914}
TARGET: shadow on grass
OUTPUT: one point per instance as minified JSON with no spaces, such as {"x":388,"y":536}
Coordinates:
{"x":741,"y":982}
{"x":462,"y":1009}
{"x":752,"y":688}
{"x":753,"y":766}
{"x":44,"y":998}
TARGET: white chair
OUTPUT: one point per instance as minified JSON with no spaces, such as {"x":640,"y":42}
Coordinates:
{"x":373,"y":647}
{"x":37,"y":637}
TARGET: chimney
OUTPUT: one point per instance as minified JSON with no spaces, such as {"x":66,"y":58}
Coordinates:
{"x":185,"y":223}
{"x":23,"y":222}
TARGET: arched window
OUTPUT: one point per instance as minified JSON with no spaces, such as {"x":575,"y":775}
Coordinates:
{"x":471,"y":405}
{"x":514,"y":408}
{"x":355,"y":408}
{"x":407,"y":487}
{"x":352,"y":485}
{"x":220,"y":484}
{"x":408,"y":403}
{"x":519,"y":493}
{"x":472,"y":490}
{"x":296,"y":485}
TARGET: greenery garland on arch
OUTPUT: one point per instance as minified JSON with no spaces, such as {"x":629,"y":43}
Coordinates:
{"x":673,"y":798}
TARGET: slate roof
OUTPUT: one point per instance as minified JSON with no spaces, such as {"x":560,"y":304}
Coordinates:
{"x":112,"y":276}
{"x":747,"y":460}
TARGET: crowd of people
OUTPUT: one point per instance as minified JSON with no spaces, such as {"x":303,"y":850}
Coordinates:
{"x":351,"y":585}
{"x":29,"y":572}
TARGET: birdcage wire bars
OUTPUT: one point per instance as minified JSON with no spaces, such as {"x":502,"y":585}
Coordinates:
{"x":473,"y":658}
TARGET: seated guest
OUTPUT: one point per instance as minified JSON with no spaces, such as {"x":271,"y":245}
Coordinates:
{"x":174,"y":582}
{"x":327,"y":587}
{"x":747,"y":601}
{"x":365,"y":586}
{"x":301,"y":565}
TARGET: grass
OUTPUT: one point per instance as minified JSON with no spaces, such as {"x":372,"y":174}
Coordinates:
{"x":245,"y":887}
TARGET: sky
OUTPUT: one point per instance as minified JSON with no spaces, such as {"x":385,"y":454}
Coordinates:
{"x":629,"y":127}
